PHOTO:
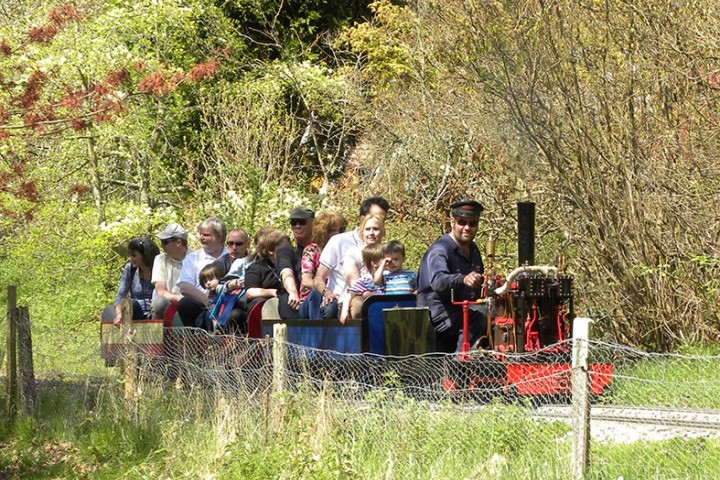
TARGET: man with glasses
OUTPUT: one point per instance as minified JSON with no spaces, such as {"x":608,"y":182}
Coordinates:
{"x":233,"y":265}
{"x":453,"y":263}
{"x":288,"y":261}
{"x":235,"y":262}
{"x":166,"y":269}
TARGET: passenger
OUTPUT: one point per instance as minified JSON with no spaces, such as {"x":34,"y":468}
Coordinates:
{"x":453,"y":263}
{"x":209,"y":278}
{"x":135,"y":280}
{"x":232,"y":266}
{"x":390,"y":273}
{"x":330,"y":279}
{"x":289,"y":259}
{"x":372,"y":231}
{"x":364,"y":286}
{"x":166,"y":269}
{"x":325,"y":226}
{"x":212,"y":233}
{"x":262,"y":280}
{"x":235,"y":262}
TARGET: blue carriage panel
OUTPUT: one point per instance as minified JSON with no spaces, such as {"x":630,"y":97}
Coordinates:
{"x":321,"y":334}
{"x":373,"y":321}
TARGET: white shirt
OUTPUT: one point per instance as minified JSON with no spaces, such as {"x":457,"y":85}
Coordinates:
{"x":353,"y":255}
{"x":167,"y":269}
{"x":193,"y":263}
{"x":332,"y":257}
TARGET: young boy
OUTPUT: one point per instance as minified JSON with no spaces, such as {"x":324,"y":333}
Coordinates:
{"x":209,"y":278}
{"x":390,"y":273}
{"x":363,"y":286}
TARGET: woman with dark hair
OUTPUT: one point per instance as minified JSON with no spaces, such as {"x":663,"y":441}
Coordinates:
{"x":135,"y":280}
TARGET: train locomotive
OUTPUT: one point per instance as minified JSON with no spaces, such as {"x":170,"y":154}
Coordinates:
{"x":524,"y":352}
{"x":530,"y":311}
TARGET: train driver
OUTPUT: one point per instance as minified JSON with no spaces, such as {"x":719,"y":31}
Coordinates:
{"x":453,"y":263}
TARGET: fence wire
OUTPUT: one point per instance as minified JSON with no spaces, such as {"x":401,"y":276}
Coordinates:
{"x":482,"y":415}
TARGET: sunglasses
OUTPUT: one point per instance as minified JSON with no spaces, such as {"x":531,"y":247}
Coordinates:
{"x":235,"y":244}
{"x":298,"y":221}
{"x":462,"y":222}
{"x":167,"y":240}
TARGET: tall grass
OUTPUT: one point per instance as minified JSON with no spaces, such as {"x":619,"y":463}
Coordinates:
{"x":216,"y":430}
{"x":680,"y":381}
{"x":85,"y":430}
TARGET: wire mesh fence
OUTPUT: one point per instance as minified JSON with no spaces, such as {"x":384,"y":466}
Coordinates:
{"x":480,"y":415}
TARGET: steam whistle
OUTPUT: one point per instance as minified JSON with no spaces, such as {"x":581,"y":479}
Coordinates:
{"x":489,"y":289}
{"x":490,"y":253}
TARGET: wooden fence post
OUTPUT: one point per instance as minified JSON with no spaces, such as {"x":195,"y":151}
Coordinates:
{"x":25,"y":361}
{"x":130,"y":350}
{"x":279,"y":357}
{"x":11,"y":356}
{"x":580,"y":397}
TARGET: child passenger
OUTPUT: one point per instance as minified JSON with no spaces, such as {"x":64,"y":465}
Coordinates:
{"x":390,"y":274}
{"x":365,"y":285}
{"x":209,"y":278}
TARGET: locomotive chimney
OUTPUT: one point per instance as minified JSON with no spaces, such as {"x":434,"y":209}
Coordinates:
{"x":526,"y":233}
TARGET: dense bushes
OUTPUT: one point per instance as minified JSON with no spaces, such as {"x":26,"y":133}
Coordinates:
{"x":599,"y":115}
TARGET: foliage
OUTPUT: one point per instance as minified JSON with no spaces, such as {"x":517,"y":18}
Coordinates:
{"x":382,"y":42}
{"x":596,"y":111}
{"x":610,"y":101}
{"x":91,"y":127}
{"x":275,"y":28}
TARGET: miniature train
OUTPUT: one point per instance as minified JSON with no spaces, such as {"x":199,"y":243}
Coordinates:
{"x":525,"y":350}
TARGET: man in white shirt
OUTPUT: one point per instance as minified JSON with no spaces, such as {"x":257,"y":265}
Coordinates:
{"x":330,"y":279}
{"x":166,"y":269}
{"x":212,"y":232}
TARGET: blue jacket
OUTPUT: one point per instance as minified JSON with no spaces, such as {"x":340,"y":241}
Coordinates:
{"x":442,"y":269}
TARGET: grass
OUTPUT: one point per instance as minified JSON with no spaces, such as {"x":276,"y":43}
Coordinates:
{"x":88,"y":432}
{"x":690,"y":459}
{"x":667,"y":381}
{"x":85,"y":429}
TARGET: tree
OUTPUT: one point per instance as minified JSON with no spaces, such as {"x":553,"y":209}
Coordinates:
{"x":618,"y":101}
{"x":602,"y":112}
{"x":114,"y":121}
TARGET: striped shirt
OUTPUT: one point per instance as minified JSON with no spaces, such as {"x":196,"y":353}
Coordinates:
{"x":365,"y":284}
{"x":400,"y":283}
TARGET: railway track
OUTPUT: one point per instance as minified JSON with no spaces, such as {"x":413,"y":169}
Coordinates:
{"x":668,"y":416}
{"x":628,"y":424}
